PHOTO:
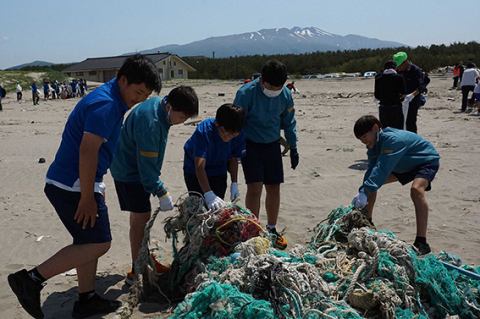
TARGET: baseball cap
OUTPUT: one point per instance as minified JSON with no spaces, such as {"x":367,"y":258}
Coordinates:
{"x":399,"y":57}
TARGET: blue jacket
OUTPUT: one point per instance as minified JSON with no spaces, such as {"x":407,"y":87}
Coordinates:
{"x":267,"y":116}
{"x":140,"y":152}
{"x":396,"y":151}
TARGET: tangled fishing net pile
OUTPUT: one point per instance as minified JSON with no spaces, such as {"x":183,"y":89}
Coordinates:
{"x":349,"y":270}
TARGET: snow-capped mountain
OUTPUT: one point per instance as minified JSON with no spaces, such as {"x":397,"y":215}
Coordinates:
{"x":275,"y":41}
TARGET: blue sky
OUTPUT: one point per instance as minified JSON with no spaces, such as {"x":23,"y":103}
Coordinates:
{"x":71,"y":31}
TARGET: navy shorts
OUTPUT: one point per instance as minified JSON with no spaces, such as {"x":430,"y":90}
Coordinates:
{"x":263,"y":163}
{"x":218,"y":184}
{"x":427,"y":171}
{"x":66,"y":204}
{"x":133,"y":197}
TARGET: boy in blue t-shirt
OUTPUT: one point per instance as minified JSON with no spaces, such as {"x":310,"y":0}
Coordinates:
{"x":139,"y":157}
{"x":74,"y":186}
{"x":214,"y":149}
{"x":397,"y":155}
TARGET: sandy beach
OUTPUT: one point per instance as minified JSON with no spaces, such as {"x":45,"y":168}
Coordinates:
{"x":332,"y":164}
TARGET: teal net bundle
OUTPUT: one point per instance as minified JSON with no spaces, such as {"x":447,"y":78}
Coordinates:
{"x":348,"y":270}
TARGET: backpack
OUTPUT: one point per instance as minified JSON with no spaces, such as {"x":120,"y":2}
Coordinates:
{"x":4,"y":92}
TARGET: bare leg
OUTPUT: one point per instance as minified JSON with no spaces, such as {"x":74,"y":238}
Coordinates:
{"x":83,"y":257}
{"x":417,"y":193}
{"x":252,"y":199}
{"x":272,"y":203}
{"x":137,"y":230}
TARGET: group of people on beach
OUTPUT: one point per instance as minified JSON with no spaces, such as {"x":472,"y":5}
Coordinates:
{"x":55,"y":90}
{"x":97,"y":138}
{"x":469,"y":80}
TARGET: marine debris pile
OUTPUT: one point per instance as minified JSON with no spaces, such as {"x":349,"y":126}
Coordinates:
{"x":228,"y":269}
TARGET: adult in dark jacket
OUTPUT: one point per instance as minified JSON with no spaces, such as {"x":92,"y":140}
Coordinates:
{"x":390,"y":90}
{"x":415,"y":85}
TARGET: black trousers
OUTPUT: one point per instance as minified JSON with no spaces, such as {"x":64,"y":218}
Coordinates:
{"x":391,"y":116}
{"x":465,"y":90}
{"x":19,"y":96}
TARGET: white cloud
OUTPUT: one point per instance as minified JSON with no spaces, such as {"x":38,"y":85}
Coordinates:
{"x":5,"y":38}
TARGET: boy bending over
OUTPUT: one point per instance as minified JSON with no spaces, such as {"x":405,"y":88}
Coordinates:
{"x":396,"y":155}
{"x":214,"y":149}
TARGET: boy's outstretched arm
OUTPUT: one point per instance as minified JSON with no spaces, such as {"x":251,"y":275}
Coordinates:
{"x":88,"y":161}
{"x":233,"y":169}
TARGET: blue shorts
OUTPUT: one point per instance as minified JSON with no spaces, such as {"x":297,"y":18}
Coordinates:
{"x":477,"y":96}
{"x":66,"y":204}
{"x":427,"y":171}
{"x":263,"y":163}
{"x":133,"y":197}
{"x":218,"y":184}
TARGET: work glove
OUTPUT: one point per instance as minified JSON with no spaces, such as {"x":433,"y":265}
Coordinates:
{"x":294,"y":157}
{"x":360,"y":200}
{"x":213,"y":201}
{"x":166,"y":202}
{"x":234,"y":192}
{"x":409,"y":98}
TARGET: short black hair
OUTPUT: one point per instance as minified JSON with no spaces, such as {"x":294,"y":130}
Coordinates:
{"x":364,"y":125}
{"x":390,"y":64}
{"x":231,"y":117}
{"x":274,"y":73}
{"x":140,"y":69}
{"x":471,"y":65}
{"x":184,"y":99}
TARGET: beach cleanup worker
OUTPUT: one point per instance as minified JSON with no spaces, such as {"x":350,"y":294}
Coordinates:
{"x":138,"y":161}
{"x":469,"y":79}
{"x":18,"y":88}
{"x":397,"y":156}
{"x":415,"y":85}
{"x":212,"y":150}
{"x":456,"y":75}
{"x":269,"y":108}
{"x":390,"y":90}
{"x":1,"y":96}
{"x":35,"y":97}
{"x":75,"y":188}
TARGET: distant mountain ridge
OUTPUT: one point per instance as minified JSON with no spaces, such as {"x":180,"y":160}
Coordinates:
{"x":34,"y":63}
{"x":274,"y":41}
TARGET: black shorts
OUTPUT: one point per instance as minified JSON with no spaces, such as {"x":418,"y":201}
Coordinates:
{"x":427,"y":171}
{"x":66,"y":205}
{"x":133,"y":197}
{"x":263,"y":163}
{"x":218,"y":184}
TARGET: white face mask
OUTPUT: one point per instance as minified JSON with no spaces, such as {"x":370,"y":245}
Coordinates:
{"x":168,"y":115}
{"x":271,"y":93}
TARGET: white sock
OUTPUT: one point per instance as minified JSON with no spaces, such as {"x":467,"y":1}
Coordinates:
{"x":270,"y":227}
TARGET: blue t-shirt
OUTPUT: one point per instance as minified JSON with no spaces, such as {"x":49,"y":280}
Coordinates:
{"x":141,"y":149}
{"x":45,"y":87}
{"x":207,"y":143}
{"x":100,"y":113}
{"x":267,"y":116}
{"x":34,"y":88}
{"x":396,"y":151}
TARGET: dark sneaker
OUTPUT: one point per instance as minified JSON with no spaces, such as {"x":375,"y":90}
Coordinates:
{"x":94,"y":306}
{"x":280,"y":242}
{"x":27,"y":292}
{"x":423,"y":249}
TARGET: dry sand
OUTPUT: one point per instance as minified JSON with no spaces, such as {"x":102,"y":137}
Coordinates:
{"x":332,"y":164}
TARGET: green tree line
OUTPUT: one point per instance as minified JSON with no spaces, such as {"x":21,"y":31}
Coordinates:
{"x":349,"y":61}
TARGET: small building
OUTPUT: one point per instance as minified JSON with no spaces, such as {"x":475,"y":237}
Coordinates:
{"x":170,"y":66}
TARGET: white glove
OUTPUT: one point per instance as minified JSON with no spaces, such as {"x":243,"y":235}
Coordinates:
{"x":409,"y":97}
{"x":166,"y":202}
{"x":234,"y":192}
{"x":213,"y":201}
{"x":360,"y":200}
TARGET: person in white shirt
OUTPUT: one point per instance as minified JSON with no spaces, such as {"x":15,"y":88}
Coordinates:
{"x":18,"y":87}
{"x":469,"y":80}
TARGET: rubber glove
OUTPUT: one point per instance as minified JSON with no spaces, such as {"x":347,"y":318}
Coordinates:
{"x":360,"y":200}
{"x":294,"y":158}
{"x":213,"y":201}
{"x":234,"y":192}
{"x":409,"y":97}
{"x":166,"y":202}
